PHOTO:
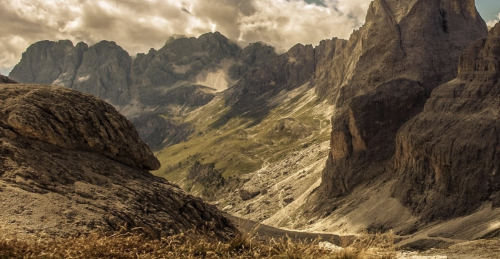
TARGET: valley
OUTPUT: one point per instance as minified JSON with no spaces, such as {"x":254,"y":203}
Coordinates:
{"x":394,"y":130}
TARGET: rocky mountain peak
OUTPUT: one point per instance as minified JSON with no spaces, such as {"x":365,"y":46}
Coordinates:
{"x":383,"y":77}
{"x":105,"y":72}
{"x":95,"y":70}
{"x":40,"y":63}
{"x":482,"y":57}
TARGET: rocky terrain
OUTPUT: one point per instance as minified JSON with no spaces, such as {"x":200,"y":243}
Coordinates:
{"x":71,"y":164}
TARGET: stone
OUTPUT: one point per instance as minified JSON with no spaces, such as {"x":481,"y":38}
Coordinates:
{"x":102,"y":69}
{"x":248,"y":193}
{"x":73,"y":121}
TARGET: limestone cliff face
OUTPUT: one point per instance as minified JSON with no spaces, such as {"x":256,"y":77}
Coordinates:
{"x":102,"y":70}
{"x":105,"y":72}
{"x":382,"y":76}
{"x":286,"y":71}
{"x":42,"y":62}
{"x":448,"y":157}
{"x":70,"y":163}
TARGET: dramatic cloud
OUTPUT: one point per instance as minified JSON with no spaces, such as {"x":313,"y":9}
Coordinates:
{"x":138,"y":25}
{"x":493,"y":22}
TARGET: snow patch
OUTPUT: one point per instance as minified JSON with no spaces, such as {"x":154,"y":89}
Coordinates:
{"x":83,"y":78}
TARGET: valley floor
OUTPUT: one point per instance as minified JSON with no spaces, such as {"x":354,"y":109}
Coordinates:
{"x":479,"y":249}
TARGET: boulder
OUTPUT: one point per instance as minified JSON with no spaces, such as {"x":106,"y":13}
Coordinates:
{"x":70,"y":164}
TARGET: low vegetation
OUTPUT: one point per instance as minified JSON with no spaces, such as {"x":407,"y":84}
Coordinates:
{"x":242,"y":146}
{"x":188,"y":245}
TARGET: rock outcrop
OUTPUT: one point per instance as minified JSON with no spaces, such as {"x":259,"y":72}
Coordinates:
{"x":70,"y":164}
{"x":448,"y":157}
{"x":6,"y":80}
{"x":382,"y":77}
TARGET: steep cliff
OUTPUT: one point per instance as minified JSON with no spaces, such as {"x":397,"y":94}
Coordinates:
{"x":382,"y":77}
{"x":102,"y":70}
{"x":448,"y":157}
{"x":70,"y":164}
{"x":43,"y":62}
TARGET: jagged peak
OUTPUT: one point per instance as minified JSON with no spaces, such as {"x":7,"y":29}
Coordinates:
{"x":495,"y":30}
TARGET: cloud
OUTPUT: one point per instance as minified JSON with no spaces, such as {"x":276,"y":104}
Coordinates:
{"x":493,"y":22}
{"x":138,"y":25}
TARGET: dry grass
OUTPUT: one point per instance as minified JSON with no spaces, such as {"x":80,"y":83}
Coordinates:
{"x":189,"y":246}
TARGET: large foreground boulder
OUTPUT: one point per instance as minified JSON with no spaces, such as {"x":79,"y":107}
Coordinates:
{"x":70,"y":164}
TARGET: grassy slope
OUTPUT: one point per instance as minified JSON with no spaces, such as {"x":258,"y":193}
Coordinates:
{"x":238,"y":148}
{"x":186,"y":245}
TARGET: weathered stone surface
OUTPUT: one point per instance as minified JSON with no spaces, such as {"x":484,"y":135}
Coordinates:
{"x":69,"y":164}
{"x":75,"y":121}
{"x":382,"y":77}
{"x":448,"y":157}
{"x":248,"y":194}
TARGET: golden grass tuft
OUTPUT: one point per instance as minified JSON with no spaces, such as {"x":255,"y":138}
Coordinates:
{"x":189,"y":245}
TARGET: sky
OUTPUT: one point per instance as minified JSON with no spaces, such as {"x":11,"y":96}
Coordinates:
{"x":138,"y":25}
